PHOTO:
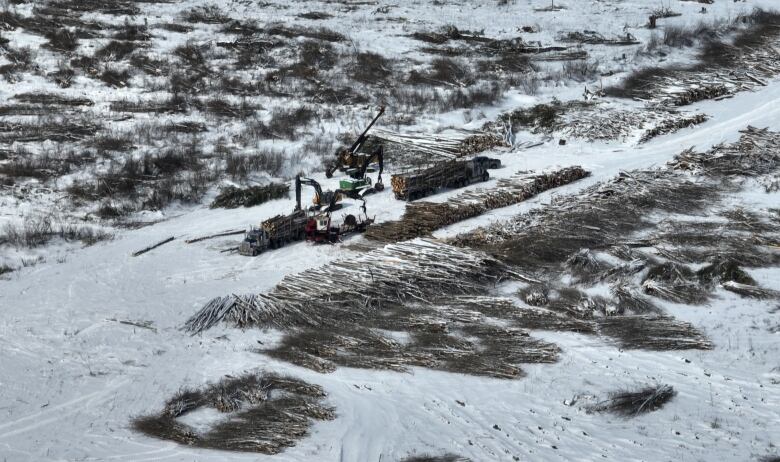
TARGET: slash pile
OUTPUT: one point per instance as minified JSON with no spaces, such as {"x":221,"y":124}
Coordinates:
{"x":347,"y":289}
{"x":727,"y":68}
{"x":232,"y":197}
{"x":596,"y":123}
{"x":264,"y":413}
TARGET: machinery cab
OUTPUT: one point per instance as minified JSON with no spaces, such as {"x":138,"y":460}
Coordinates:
{"x":487,"y":162}
{"x":319,"y":229}
{"x":254,"y":241}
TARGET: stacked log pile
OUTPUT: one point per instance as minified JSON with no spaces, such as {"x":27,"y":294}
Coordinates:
{"x":435,"y":176}
{"x":422,"y":218}
{"x":672,"y":125}
{"x":433,"y":147}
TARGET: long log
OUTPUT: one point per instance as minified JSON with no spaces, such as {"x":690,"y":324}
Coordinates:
{"x":152,"y":247}
{"x":212,"y":236}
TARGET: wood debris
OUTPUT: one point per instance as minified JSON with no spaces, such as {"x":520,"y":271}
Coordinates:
{"x":412,"y":270}
{"x":212,"y":236}
{"x":231,"y":197}
{"x":264,"y":413}
{"x":594,"y":38}
{"x":152,"y":247}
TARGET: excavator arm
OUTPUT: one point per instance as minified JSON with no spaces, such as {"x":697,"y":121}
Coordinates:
{"x":320,"y":197}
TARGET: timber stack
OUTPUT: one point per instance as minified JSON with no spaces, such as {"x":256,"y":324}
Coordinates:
{"x":449,"y":174}
{"x":422,"y":218}
{"x":451,"y":145}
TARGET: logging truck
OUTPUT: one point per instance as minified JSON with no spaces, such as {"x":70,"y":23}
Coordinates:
{"x":274,"y":233}
{"x":450,"y":174}
{"x":314,"y":224}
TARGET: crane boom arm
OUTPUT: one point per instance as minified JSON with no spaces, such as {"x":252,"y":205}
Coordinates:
{"x":362,"y":138}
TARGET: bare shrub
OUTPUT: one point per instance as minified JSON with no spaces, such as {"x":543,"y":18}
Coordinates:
{"x":115,"y":78}
{"x":371,"y":68}
{"x":20,"y":60}
{"x":285,"y":122}
{"x":240,"y":166}
{"x":133,"y":32}
{"x":319,"y":146}
{"x":190,"y":82}
{"x":320,"y":33}
{"x":62,"y":40}
{"x":315,"y":15}
{"x":249,"y":27}
{"x":174,"y":104}
{"x":206,"y":14}
{"x":115,"y":50}
{"x":317,"y":54}
{"x":114,"y":143}
{"x":187,"y":189}
{"x":481,"y":94}
{"x":542,"y":117}
{"x":25,"y":164}
{"x":444,"y":71}
{"x":150,"y":65}
{"x":632,"y":403}
{"x":40,"y":230}
{"x":581,"y":70}
{"x":191,"y":54}
{"x":63,"y":76}
{"x":639,"y":80}
{"x":224,"y":108}
{"x":176,"y":27}
{"x":232,"y":197}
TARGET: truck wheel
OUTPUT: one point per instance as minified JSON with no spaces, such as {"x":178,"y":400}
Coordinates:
{"x":485,"y":176}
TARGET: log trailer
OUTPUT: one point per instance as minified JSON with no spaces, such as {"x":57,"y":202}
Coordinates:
{"x":321,"y":228}
{"x":450,"y":174}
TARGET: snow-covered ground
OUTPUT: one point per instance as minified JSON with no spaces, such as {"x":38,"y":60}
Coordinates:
{"x":73,"y":375}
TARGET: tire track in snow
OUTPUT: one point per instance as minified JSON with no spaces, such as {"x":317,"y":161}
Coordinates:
{"x":61,"y":410}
